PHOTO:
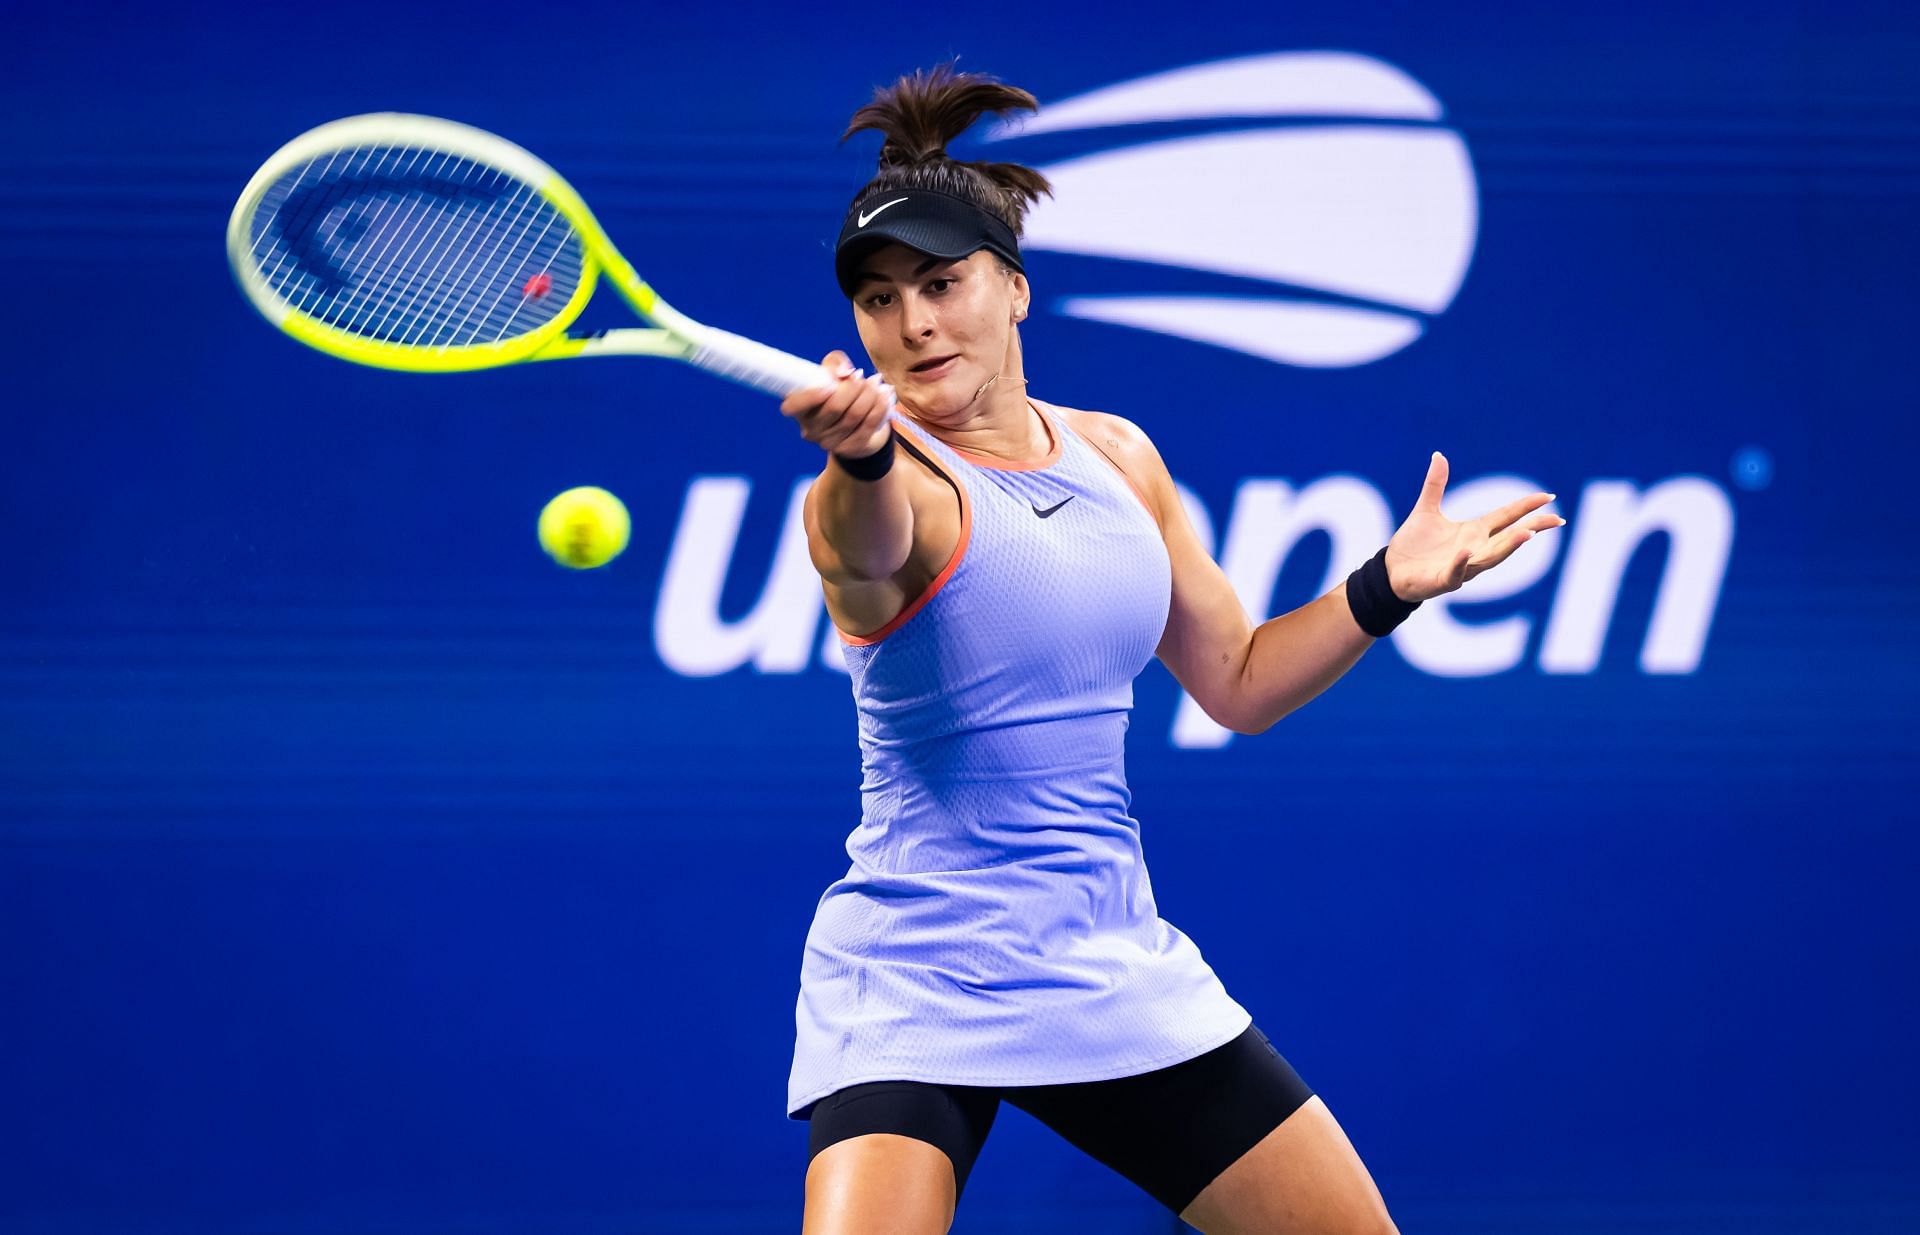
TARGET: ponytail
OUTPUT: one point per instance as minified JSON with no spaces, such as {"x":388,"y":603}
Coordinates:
{"x":923,"y":111}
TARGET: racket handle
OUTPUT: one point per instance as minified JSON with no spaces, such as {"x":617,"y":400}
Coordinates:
{"x":757,"y":365}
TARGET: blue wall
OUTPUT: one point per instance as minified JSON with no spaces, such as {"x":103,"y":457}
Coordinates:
{"x":360,"y":870}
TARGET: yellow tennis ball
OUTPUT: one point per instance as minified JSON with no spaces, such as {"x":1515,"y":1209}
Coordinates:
{"x":584,"y":527}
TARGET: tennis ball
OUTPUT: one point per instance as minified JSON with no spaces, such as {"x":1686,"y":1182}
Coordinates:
{"x":584,"y":527}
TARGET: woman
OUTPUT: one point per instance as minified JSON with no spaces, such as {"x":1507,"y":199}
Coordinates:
{"x":1000,"y":569}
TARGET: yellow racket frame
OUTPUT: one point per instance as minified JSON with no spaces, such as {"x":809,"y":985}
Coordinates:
{"x":675,"y":335}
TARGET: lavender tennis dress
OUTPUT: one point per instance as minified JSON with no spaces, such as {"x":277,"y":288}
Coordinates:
{"x":997,"y":925}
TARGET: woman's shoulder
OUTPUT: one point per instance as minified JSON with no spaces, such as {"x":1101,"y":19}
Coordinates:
{"x":1088,"y":423}
{"x":1114,"y":433}
{"x":1125,"y":443}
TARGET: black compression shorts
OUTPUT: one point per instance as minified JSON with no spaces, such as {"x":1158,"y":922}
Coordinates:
{"x":1172,"y":1131}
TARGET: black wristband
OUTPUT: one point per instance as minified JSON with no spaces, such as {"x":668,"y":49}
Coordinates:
{"x":869,"y":467}
{"x":1371,"y":598}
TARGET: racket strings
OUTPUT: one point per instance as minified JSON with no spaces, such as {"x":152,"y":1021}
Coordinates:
{"x":414,"y":247}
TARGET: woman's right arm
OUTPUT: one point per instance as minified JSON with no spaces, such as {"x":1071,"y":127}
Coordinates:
{"x":858,"y":531}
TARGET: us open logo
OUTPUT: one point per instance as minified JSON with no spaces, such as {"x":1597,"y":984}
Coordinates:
{"x":1325,"y":237}
{"x":1306,"y":208}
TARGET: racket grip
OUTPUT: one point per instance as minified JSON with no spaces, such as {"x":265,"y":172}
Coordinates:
{"x":757,"y":365}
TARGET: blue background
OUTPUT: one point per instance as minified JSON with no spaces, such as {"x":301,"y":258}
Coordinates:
{"x":362,"y":871}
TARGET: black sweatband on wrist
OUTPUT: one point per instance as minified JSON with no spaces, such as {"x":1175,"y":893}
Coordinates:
{"x":1371,"y":598}
{"x":869,"y":467}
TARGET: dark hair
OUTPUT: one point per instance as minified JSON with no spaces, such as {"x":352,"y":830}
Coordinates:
{"x":919,"y":114}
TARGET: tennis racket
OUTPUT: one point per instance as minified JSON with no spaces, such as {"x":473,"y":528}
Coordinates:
{"x":411,"y":242}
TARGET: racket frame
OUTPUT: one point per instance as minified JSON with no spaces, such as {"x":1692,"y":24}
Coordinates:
{"x":674,"y":336}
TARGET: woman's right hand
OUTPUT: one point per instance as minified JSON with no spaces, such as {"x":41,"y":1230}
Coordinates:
{"x":846,"y":418}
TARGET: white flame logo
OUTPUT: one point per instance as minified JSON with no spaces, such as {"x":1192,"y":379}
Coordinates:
{"x":1382,"y":214}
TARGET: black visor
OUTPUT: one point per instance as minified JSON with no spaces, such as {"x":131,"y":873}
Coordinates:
{"x":937,"y":224}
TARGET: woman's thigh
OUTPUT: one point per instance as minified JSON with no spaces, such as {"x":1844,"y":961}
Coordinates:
{"x":1304,"y":1178}
{"x":893,"y":1156}
{"x":1175,"y":1130}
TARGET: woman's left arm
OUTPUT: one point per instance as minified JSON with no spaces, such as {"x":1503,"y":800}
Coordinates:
{"x":1247,"y":677}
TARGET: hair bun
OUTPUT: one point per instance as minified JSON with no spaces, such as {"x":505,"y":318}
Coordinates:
{"x":894,"y":155}
{"x":923,"y":111}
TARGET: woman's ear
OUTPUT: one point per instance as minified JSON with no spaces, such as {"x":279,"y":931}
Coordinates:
{"x":1022,"y":294}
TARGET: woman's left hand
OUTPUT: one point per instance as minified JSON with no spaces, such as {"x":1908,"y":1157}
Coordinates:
{"x":1431,"y":554}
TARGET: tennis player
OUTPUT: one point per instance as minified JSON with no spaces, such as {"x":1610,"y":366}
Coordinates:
{"x":1000,"y":569}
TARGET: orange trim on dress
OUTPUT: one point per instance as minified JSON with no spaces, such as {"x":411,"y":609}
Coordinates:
{"x":940,"y":580}
{"x":1001,"y":465}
